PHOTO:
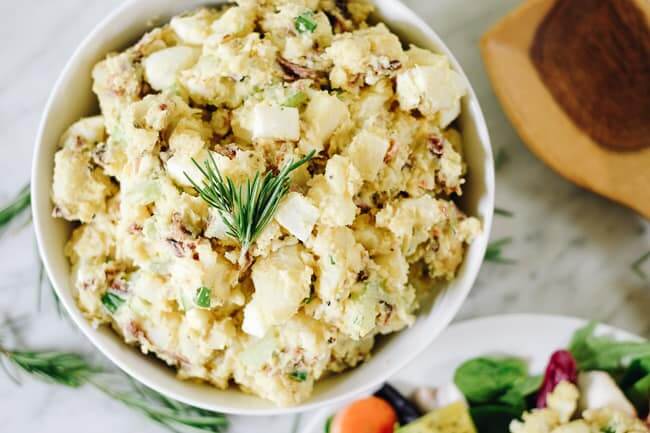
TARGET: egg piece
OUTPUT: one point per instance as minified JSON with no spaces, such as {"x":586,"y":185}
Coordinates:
{"x":194,"y":28}
{"x":162,"y":67}
{"x":273,"y":122}
{"x":180,"y":167}
{"x":297,"y":215}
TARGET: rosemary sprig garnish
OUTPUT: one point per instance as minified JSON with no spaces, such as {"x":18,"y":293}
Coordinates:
{"x":636,"y":266}
{"x":494,"y":253}
{"x":16,"y":207}
{"x":245,"y":209}
{"x":73,"y":370}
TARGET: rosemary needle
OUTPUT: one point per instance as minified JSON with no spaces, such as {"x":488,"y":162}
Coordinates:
{"x":494,"y":251}
{"x":17,"y":206}
{"x":503,"y":212}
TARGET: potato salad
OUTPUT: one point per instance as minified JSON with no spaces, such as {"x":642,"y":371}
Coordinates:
{"x":366,"y":226}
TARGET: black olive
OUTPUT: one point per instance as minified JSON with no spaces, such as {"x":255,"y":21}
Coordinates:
{"x":405,"y":409}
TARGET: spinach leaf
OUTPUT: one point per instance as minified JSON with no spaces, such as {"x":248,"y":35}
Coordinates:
{"x":636,"y":384}
{"x":484,"y":380}
{"x":529,"y":385}
{"x":593,"y":352}
{"x":493,"y":418}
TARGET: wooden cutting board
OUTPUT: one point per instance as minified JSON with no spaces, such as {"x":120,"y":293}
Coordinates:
{"x":545,"y":126}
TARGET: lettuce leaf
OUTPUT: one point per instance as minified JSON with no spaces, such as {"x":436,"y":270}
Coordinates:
{"x":604,"y":353}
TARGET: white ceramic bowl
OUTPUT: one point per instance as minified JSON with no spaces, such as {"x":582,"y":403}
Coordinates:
{"x":72,"y":98}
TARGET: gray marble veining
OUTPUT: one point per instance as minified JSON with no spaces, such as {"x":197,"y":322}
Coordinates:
{"x":573,"y":250}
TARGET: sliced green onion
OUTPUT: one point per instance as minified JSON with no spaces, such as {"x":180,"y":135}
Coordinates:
{"x":332,"y":261}
{"x":295,"y":100}
{"x":305,"y":23}
{"x":203,"y":297}
{"x":298,"y":376}
{"x":112,"y":302}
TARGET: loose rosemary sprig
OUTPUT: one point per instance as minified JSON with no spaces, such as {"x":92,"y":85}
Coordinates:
{"x":69,"y":369}
{"x":494,"y":253}
{"x":16,"y":207}
{"x":245,"y":209}
{"x":503,"y":212}
{"x":169,"y":413}
{"x":73,"y":370}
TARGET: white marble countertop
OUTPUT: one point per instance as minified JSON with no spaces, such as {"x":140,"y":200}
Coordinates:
{"x":573,"y":250}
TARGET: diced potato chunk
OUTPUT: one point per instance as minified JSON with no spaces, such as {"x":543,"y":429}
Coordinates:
{"x":276,"y":123}
{"x":334,"y":192}
{"x":281,"y":283}
{"x":367,"y":152}
{"x":324,"y":114}
{"x":432,"y":89}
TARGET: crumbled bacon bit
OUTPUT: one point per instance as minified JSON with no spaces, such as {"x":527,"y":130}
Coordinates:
{"x":362,"y":276}
{"x":228,"y":150}
{"x":145,"y":90}
{"x":179,"y":226}
{"x":177,"y":246}
{"x":98,"y":154}
{"x":416,"y":113}
{"x":135,"y":330}
{"x":394,"y":106}
{"x":57,"y":212}
{"x":362,"y":205}
{"x":394,"y":65}
{"x":163,"y":107}
{"x":342,"y":5}
{"x":434,"y":143}
{"x":119,"y":285}
{"x":195,"y":256}
{"x":245,"y":264}
{"x":295,"y":71}
{"x":135,"y":228}
{"x":386,"y":313}
{"x":392,"y":151}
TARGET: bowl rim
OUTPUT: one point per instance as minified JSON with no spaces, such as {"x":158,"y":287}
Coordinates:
{"x":39,"y":209}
